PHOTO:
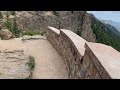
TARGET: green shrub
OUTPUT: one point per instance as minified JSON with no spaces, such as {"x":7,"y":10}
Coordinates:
{"x":31,"y":63}
{"x":31,"y":66}
{"x":31,"y":33}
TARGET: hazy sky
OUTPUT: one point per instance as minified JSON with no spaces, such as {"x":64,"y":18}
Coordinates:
{"x":107,"y":15}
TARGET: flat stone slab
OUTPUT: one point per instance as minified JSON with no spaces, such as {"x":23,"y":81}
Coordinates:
{"x":78,"y":41}
{"x":35,"y":37}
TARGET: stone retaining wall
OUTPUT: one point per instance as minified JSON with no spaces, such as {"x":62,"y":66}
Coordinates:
{"x":84,"y":60}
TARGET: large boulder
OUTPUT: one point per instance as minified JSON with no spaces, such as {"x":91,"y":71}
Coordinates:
{"x":5,"y":34}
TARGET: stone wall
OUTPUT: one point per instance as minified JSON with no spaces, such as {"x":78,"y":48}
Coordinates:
{"x":105,"y":58}
{"x":68,"y":49}
{"x":84,"y":60}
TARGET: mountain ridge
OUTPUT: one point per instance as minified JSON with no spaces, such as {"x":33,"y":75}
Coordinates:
{"x":113,"y":23}
{"x":104,"y":34}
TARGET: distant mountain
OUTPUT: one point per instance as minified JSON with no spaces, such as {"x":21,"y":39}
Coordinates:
{"x":105,"y":33}
{"x":113,"y":29}
{"x":113,"y":23}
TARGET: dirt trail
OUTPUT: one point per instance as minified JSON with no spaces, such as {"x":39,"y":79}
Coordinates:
{"x":48,"y":63}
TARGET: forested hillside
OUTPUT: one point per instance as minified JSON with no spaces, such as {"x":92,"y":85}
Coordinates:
{"x":104,"y":35}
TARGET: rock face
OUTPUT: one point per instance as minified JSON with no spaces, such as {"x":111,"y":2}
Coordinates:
{"x":5,"y":34}
{"x":77,"y":21}
{"x":86,"y":31}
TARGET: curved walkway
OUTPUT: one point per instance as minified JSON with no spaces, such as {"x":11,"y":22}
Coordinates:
{"x":49,"y":64}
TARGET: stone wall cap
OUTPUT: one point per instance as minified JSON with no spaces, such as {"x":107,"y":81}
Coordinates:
{"x":57,"y":31}
{"x":108,"y":57}
{"x":78,"y":41}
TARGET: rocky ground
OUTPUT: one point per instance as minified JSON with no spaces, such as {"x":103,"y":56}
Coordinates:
{"x":13,"y":64}
{"x":13,"y":60}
